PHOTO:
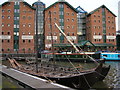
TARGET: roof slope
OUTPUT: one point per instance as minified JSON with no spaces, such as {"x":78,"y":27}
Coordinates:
{"x":103,"y":6}
{"x":23,"y":2}
{"x":62,"y":1}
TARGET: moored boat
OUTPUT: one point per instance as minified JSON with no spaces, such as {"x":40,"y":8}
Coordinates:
{"x":110,"y":56}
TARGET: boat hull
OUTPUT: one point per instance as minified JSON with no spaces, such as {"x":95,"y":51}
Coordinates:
{"x":85,"y":80}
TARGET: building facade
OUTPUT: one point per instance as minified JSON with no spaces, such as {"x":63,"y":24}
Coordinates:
{"x":40,"y":6}
{"x":101,"y":28}
{"x":65,"y":16}
{"x":18,"y":27}
{"x":81,"y":16}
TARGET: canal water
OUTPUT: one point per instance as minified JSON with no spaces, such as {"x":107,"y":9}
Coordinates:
{"x":111,"y":81}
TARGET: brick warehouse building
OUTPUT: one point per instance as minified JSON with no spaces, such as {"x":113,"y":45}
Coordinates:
{"x":101,"y":28}
{"x":65,"y":16}
{"x":18,"y":27}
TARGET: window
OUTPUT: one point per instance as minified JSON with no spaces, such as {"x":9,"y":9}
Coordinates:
{"x":8,"y":33}
{"x":16,"y":26}
{"x":2,"y":33}
{"x":8,"y":49}
{"x":3,"y":17}
{"x":24,"y":17}
{"x":61,"y":20}
{"x":55,"y":19}
{"x":72,"y":14}
{"x":24,"y":11}
{"x":72,"y":27}
{"x":73,"y":34}
{"x":54,"y":12}
{"x":16,"y":10}
{"x":61,"y":6}
{"x":98,"y":27}
{"x":68,"y":26}
{"x":29,"y":17}
{"x":23,"y":33}
{"x":9,"y":11}
{"x":113,"y":27}
{"x":8,"y":41}
{"x":3,"y":10}
{"x":54,"y":6}
{"x":29,"y":25}
{"x":23,"y":25}
{"x":23,"y":41}
{"x":8,"y":25}
{"x":108,"y":27}
{"x":68,"y":13}
{"x":17,"y":3}
{"x":61,"y":13}
{"x":72,"y":20}
{"x":94,"y":27}
{"x":2,"y":49}
{"x":16,"y":18}
{"x":68,"y":20}
{"x":68,"y":34}
{"x":2,"y":24}
{"x":99,"y":21}
{"x":8,"y":17}
{"x":29,"y":41}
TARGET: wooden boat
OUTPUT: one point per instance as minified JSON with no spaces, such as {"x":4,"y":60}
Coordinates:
{"x":72,"y":77}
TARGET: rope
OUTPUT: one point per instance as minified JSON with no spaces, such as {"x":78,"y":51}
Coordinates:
{"x":77,"y":70}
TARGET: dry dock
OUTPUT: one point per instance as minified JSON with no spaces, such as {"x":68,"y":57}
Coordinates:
{"x":29,"y":80}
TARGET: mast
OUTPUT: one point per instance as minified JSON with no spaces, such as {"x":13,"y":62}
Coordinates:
{"x":73,"y":43}
{"x":36,"y":48}
{"x":52,"y":37}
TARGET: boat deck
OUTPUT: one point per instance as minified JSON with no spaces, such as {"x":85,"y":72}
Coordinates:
{"x":29,"y":80}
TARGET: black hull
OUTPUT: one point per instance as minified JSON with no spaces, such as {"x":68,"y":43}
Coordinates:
{"x":85,"y":80}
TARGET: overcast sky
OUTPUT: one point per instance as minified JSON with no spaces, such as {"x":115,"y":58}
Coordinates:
{"x":88,"y":5}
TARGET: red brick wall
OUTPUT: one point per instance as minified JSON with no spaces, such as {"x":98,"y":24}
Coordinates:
{"x":6,"y":29}
{"x":53,"y":9}
{"x":99,"y":31}
{"x":26,"y":30}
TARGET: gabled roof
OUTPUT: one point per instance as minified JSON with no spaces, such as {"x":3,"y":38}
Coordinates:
{"x":88,"y":43}
{"x":4,"y":4}
{"x":62,"y":1}
{"x":103,"y":6}
{"x":80,"y":10}
{"x":23,"y":2}
{"x":38,"y":2}
{"x":29,"y":5}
